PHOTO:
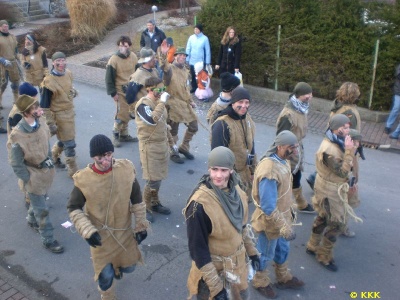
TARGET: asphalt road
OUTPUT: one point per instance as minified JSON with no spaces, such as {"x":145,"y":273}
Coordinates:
{"x":370,"y":262}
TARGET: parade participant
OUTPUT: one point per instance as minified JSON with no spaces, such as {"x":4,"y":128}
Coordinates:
{"x":8,"y":61}
{"x":30,"y":157}
{"x":228,"y":83}
{"x":334,"y":160}
{"x":218,"y":235}
{"x":105,"y":195}
{"x":119,"y":67}
{"x":34,"y":61}
{"x":272,"y":218}
{"x":235,"y":129}
{"x":293,"y":117}
{"x":151,"y":124}
{"x":180,"y":105}
{"x":57,"y":103}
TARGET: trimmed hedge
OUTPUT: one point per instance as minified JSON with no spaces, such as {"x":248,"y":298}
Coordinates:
{"x":323,"y":42}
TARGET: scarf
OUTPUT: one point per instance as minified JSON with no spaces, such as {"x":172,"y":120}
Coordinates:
{"x":338,"y":140}
{"x":298,"y":105}
{"x":222,"y":101}
{"x":229,"y":199}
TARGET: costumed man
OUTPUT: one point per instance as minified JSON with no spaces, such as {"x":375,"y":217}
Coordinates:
{"x":180,"y":105}
{"x":274,"y":213}
{"x":293,"y":117}
{"x":228,"y":83}
{"x":235,"y":129}
{"x":334,"y":160}
{"x":34,"y":61}
{"x":30,"y":157}
{"x":8,"y":61}
{"x":105,"y":196}
{"x":119,"y":68}
{"x":57,"y":97}
{"x":151,"y":123}
{"x":220,"y":240}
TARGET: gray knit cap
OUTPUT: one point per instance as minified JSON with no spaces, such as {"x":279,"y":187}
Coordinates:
{"x":2,"y":22}
{"x":302,"y":88}
{"x":284,"y":138}
{"x":355,"y":135}
{"x":221,"y":157}
{"x":338,"y":121}
{"x":58,"y":55}
{"x":240,"y":93}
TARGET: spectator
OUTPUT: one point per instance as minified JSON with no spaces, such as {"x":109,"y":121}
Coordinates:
{"x":230,"y":52}
{"x":152,"y":37}
{"x":203,"y":91}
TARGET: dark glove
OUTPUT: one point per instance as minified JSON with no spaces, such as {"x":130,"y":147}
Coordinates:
{"x":141,"y":236}
{"x":27,"y":65}
{"x":255,"y":262}
{"x":222,"y":295}
{"x":360,"y":150}
{"x":94,"y":240}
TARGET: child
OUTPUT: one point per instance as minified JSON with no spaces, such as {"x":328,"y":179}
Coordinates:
{"x":203,"y":91}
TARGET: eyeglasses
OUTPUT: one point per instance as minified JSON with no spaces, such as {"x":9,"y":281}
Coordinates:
{"x":159,"y":90}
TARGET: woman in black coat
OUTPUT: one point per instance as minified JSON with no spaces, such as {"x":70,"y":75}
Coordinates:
{"x":230,"y":52}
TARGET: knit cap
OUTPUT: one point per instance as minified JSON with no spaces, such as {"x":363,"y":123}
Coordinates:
{"x":57,"y":55}
{"x":285,"y":137}
{"x":27,"y":89}
{"x":355,"y":135}
{"x":100,"y":144}
{"x":24,"y":102}
{"x":240,"y":93}
{"x":228,"y":82}
{"x":199,"y":27}
{"x":2,"y":22}
{"x":302,"y":88}
{"x":198,"y":67}
{"x":338,"y":121}
{"x":221,"y":157}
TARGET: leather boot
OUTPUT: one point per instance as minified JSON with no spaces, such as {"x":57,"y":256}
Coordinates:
{"x":285,"y":279}
{"x":156,"y":205}
{"x":108,"y":294}
{"x":128,"y":139}
{"x":324,"y":255}
{"x":147,"y":201}
{"x":116,"y":140}
{"x":174,"y":156}
{"x":313,"y":243}
{"x":302,"y":203}
{"x":55,"y":155}
{"x":184,"y":147}
{"x":71,"y":165}
{"x":262,"y":283}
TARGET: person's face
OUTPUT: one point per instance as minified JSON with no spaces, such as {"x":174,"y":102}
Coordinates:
{"x":150,"y":27}
{"x":36,"y":111}
{"x":123,"y":47}
{"x":158,"y":90}
{"x":60,"y":64}
{"x":181,"y":58}
{"x":231,"y":33}
{"x":288,"y":151}
{"x":305,"y":98}
{"x":4,"y":28}
{"x":344,"y":130}
{"x":28,"y":42}
{"x":241,"y":107}
{"x":196,"y":30}
{"x":103,"y":162}
{"x":220,"y":176}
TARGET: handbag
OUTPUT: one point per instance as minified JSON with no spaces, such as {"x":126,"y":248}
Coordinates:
{"x":240,"y":76}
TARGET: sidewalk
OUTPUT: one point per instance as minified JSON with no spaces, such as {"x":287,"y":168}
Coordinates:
{"x":11,"y":287}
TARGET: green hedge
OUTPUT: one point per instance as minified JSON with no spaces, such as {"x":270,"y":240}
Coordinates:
{"x":323,"y":42}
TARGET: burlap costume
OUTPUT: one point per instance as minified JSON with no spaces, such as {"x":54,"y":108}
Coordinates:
{"x":273,"y":170}
{"x":140,"y":76}
{"x":35,"y":74}
{"x":8,"y":46}
{"x":35,"y":146}
{"x":241,"y":143}
{"x":61,"y":105}
{"x":153,"y":141}
{"x":226,"y":245}
{"x":124,"y":67}
{"x":108,"y":209}
{"x":212,"y":112}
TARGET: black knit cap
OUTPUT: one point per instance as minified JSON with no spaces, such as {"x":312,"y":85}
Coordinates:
{"x":228,"y":82}
{"x":240,"y":93}
{"x":199,"y":27}
{"x":100,"y":144}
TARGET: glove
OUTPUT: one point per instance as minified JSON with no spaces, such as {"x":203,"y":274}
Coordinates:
{"x":140,"y":236}
{"x":5,"y":62}
{"x":53,"y":129}
{"x":255,"y":262}
{"x":27,"y":65}
{"x":164,"y":97}
{"x":222,"y":295}
{"x":48,"y":163}
{"x":94,"y":240}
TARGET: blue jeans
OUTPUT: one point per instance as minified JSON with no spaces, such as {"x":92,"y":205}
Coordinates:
{"x":106,"y":275}
{"x":276,"y":250}
{"x":394,"y":113}
{"x":38,"y":212}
